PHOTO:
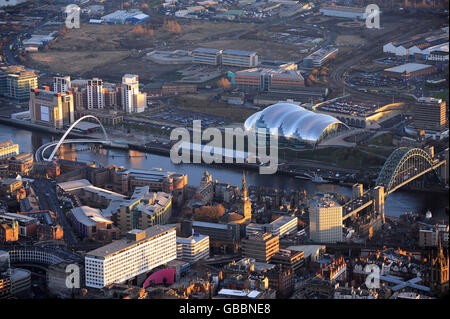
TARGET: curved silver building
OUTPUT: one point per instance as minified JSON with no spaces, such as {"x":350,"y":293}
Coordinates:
{"x":295,"y":124}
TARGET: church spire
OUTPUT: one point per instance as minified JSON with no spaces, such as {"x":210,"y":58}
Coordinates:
{"x":244,"y":190}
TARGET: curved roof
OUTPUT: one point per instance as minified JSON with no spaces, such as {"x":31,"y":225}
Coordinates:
{"x":292,"y":121}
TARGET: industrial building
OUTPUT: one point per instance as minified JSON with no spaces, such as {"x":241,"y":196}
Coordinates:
{"x":344,"y":12}
{"x":122,"y":16}
{"x":409,"y":71}
{"x":51,"y":109}
{"x":124,"y":259}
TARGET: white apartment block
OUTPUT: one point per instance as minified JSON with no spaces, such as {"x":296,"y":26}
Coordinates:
{"x":133,"y":101}
{"x":61,"y":84}
{"x":193,"y":248}
{"x":325,"y":221}
{"x":127,"y":258}
{"x":95,"y":99}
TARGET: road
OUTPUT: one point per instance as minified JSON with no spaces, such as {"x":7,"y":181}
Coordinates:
{"x":48,"y":200}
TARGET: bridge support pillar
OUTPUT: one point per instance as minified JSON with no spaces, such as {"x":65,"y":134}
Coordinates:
{"x":378,"y":201}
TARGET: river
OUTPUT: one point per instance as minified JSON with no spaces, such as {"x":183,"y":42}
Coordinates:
{"x":396,"y":204}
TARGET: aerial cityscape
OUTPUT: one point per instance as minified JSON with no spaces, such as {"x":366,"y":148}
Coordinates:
{"x":224,"y":149}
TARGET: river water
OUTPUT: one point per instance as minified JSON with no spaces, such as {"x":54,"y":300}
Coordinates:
{"x":396,"y":204}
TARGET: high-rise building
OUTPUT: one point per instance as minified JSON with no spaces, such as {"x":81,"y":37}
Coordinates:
{"x":124,"y":259}
{"x":61,"y":84}
{"x":325,"y":221}
{"x":95,"y":99}
{"x":16,"y":82}
{"x":260,"y":246}
{"x":430,"y":114}
{"x":133,"y":101}
{"x":51,"y":108}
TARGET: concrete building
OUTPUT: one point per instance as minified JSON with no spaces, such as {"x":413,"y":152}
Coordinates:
{"x":127,"y":258}
{"x":243,"y":59}
{"x":260,"y":246}
{"x":61,"y":84}
{"x":319,"y":57}
{"x":284,"y":225}
{"x":193,"y":248}
{"x":27,"y":225}
{"x":289,"y":259}
{"x":51,"y":109}
{"x":206,"y":56}
{"x":133,"y":101}
{"x":144,"y":209}
{"x":8,"y":149}
{"x":89,"y":223}
{"x":220,"y":235}
{"x":430,"y":114}
{"x":95,"y":97}
{"x":325,"y":221}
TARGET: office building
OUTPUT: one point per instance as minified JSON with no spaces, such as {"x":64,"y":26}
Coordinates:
{"x":260,"y":246}
{"x":284,"y":225}
{"x":61,"y":84}
{"x":27,"y":225}
{"x":319,"y":57}
{"x":51,"y":109}
{"x":16,"y":82}
{"x":285,"y":78}
{"x":95,"y":98}
{"x":289,"y":259}
{"x":206,"y":56}
{"x":124,"y":259}
{"x":193,"y":248}
{"x":243,"y":59}
{"x":220,"y":235}
{"x":133,"y":101}
{"x":8,"y":149}
{"x":325,"y":221}
{"x":430,"y":114}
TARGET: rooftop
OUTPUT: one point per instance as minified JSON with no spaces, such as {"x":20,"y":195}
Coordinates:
{"x":89,"y":216}
{"x":122,"y":244}
{"x":408,"y":67}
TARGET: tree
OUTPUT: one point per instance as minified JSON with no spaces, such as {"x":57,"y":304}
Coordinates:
{"x":223,"y":83}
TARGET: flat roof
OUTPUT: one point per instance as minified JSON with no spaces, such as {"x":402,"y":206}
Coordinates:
{"x":282,"y":221}
{"x":239,"y":52}
{"x":408,"y":67}
{"x":207,"y":50}
{"x":209,"y":225}
{"x":125,"y":243}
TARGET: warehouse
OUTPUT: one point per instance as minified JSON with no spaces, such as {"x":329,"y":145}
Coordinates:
{"x":344,"y":12}
{"x":409,"y":71}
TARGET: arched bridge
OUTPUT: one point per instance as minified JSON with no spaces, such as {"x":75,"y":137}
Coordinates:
{"x":40,"y":153}
{"x":405,"y":165}
{"x":402,"y":167}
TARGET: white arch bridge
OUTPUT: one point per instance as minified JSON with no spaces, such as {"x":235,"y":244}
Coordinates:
{"x":40,"y":153}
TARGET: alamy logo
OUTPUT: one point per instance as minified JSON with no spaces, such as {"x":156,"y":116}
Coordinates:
{"x":262,"y":147}
{"x":372,"y":14}
{"x":73,"y":276}
{"x":73,"y":16}
{"x":373,"y":277}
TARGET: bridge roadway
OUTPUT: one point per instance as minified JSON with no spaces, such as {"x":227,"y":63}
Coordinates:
{"x":39,"y":154}
{"x":356,"y":205}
